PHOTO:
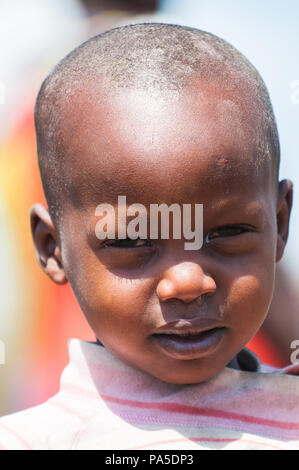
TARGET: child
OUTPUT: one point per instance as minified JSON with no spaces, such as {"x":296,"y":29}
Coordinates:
{"x":161,"y":114}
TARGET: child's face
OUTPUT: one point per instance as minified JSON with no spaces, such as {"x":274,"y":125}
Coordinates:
{"x":196,"y":150}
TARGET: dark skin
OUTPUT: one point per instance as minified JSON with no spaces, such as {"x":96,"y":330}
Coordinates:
{"x":154,"y":149}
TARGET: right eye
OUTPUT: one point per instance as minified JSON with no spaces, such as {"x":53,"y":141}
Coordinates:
{"x":126,"y":255}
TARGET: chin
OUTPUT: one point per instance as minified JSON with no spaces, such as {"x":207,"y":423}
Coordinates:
{"x":186,"y":379}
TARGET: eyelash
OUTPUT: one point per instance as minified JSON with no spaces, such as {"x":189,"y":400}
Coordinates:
{"x":122,"y":243}
{"x":240,"y":228}
{"x":129,"y":243}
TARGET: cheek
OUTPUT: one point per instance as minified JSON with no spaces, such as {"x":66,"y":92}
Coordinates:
{"x":119,"y":317}
{"x":248,"y":301}
{"x":107,"y":301}
{"x":125,"y":298}
{"x":249,"y":285}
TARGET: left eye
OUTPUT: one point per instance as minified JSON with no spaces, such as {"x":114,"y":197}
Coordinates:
{"x":228,"y":231}
{"x":127,"y":243}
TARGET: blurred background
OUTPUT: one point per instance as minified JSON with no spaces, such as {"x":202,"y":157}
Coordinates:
{"x":37,"y":317}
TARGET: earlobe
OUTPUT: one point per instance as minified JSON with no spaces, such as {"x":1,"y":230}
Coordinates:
{"x":46,"y":246}
{"x":284,"y":206}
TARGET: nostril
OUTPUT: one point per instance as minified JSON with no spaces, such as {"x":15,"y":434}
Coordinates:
{"x":183,"y":282}
{"x":206,"y":294}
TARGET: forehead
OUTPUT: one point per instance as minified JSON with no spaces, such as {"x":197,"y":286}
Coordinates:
{"x":157,"y":147}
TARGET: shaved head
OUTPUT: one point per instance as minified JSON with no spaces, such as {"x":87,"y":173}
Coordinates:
{"x":160,"y":60}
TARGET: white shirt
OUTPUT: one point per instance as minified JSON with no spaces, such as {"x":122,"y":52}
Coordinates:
{"x":104,"y":403}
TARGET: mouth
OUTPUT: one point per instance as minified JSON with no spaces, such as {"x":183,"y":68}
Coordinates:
{"x":190,"y":344}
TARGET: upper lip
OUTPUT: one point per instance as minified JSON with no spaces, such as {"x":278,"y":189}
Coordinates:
{"x":189,"y":327}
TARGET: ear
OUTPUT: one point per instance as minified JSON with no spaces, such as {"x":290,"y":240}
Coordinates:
{"x":284,"y":206}
{"x":45,"y":241}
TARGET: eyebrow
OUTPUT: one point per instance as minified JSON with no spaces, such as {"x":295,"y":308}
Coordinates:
{"x":251,"y":208}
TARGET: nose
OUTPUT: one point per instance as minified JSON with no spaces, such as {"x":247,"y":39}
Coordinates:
{"x":185,"y":281}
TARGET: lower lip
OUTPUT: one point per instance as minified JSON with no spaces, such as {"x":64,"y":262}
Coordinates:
{"x":192,"y":346}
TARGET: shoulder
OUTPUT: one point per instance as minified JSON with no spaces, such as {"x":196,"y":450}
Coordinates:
{"x":292,"y":369}
{"x":16,"y":429}
{"x":249,"y":362}
{"x":50,"y":425}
